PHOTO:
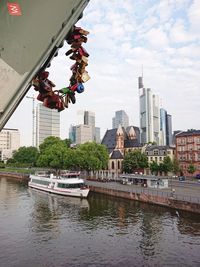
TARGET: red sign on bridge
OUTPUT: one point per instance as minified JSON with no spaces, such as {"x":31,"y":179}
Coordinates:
{"x":14,"y":9}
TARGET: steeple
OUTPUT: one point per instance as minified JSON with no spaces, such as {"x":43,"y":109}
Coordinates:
{"x":132,"y":133}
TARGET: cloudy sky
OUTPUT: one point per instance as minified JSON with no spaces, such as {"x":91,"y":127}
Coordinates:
{"x":161,"y":35}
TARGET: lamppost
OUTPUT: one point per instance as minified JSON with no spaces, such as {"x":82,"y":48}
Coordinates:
{"x":33,"y":118}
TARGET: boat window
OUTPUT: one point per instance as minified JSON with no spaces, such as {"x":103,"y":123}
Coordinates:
{"x":64,"y":185}
{"x":36,"y":181}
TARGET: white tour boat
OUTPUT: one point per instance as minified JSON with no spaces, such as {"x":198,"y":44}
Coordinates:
{"x":68,"y":184}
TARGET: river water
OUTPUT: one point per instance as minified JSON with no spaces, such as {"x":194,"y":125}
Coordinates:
{"x":39,"y":229}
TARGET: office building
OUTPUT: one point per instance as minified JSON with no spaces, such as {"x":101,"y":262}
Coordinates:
{"x":72,"y":133}
{"x":9,"y":142}
{"x":91,"y":133}
{"x":83,"y":134}
{"x":47,"y":123}
{"x":165,"y":128}
{"x":121,"y":118}
{"x":149,"y":114}
{"x":169,"y":138}
{"x":97,"y":135}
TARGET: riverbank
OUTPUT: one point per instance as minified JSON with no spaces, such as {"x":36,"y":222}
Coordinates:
{"x":22,"y":177}
{"x":152,"y":196}
{"x":186,"y":202}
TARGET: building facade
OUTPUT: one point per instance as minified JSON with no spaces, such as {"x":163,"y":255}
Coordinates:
{"x":188,"y":151}
{"x":9,"y":142}
{"x":121,"y":118}
{"x":158,"y":153}
{"x":118,"y":142}
{"x":47,"y":123}
{"x":83,"y":134}
{"x":149,"y":114}
{"x":85,"y":130}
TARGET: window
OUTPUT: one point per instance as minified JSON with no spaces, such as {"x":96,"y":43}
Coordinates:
{"x":118,"y":164}
{"x":113,"y":165}
{"x":160,"y":158}
{"x":155,"y":152}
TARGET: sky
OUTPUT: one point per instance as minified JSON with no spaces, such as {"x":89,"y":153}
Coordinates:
{"x":163,"y":36}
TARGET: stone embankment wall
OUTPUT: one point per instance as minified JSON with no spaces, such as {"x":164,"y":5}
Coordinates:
{"x":158,"y":200}
{"x":15,"y":176}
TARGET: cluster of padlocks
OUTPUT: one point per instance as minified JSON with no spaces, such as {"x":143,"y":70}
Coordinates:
{"x":59,"y":99}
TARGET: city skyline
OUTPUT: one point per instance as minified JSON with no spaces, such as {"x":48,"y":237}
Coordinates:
{"x":163,"y":36}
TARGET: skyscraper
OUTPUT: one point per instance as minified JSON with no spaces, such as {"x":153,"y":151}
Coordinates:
{"x":149,"y":114}
{"x":121,"y":118}
{"x":72,"y":134}
{"x":87,"y":133}
{"x":169,"y":138}
{"x":47,"y":123}
{"x":165,"y":128}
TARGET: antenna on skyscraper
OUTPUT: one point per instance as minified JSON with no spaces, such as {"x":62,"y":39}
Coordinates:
{"x":142,"y":70}
{"x":140,"y":80}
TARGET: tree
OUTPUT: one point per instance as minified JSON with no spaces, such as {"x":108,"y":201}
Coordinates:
{"x":134,"y":161}
{"x":191,"y":169}
{"x":154,"y":167}
{"x":166,"y":166}
{"x":48,"y":142}
{"x":53,"y":156}
{"x":91,"y":156}
{"x":176,"y":167}
{"x":26,"y":156}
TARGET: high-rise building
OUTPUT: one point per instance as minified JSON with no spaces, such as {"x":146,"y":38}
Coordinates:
{"x":89,"y":119}
{"x":72,"y":133}
{"x":83,"y":134}
{"x":97,"y":135}
{"x":169,"y":136}
{"x":165,"y":128}
{"x":121,"y":118}
{"x":149,"y":114}
{"x":85,"y":118}
{"x":9,"y":142}
{"x":47,"y":123}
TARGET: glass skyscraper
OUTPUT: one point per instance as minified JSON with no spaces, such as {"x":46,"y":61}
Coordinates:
{"x":121,"y":118}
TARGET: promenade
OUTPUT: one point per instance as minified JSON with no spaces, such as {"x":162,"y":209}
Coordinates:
{"x":185,"y":197}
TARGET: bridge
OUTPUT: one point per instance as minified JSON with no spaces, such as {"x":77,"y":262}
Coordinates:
{"x":31,"y":34}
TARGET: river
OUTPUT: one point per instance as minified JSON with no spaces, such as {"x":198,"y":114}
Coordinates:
{"x":38,"y":229}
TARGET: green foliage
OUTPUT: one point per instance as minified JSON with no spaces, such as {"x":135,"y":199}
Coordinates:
{"x":2,"y":165}
{"x":167,"y":165}
{"x":154,"y":167}
{"x":25,"y":156}
{"x":176,"y":167}
{"x":191,"y":168}
{"x":48,"y":142}
{"x":92,"y":156}
{"x":67,"y":142}
{"x":53,"y":155}
{"x":134,"y":160}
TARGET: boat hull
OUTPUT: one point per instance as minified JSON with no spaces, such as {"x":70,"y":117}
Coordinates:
{"x":53,"y":188}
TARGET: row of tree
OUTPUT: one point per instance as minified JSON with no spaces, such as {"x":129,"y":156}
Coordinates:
{"x":135,"y":160}
{"x":56,"y":154}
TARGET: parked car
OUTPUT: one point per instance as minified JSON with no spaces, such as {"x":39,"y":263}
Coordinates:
{"x":181,"y":178}
{"x":197,"y":176}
